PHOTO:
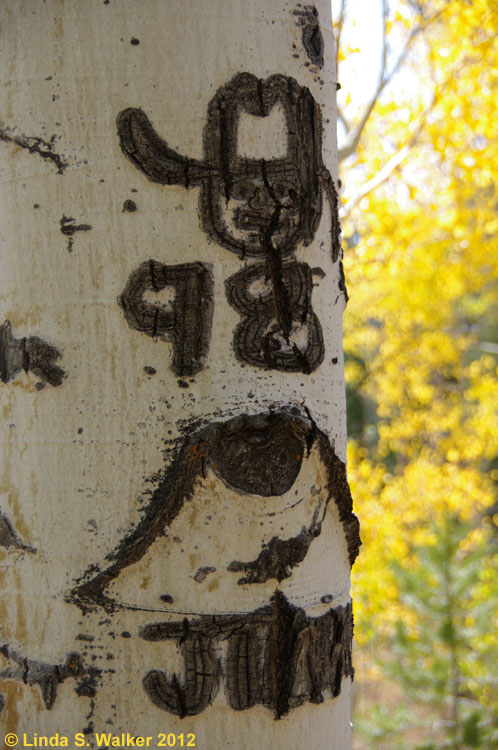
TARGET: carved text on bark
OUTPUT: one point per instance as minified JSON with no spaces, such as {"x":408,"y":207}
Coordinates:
{"x":276,"y":656}
{"x":255,"y":208}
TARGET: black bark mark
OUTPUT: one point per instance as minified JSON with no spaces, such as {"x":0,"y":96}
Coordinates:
{"x":46,"y":676}
{"x":8,"y":537}
{"x":257,"y":455}
{"x":88,"y":682}
{"x":311,"y":34}
{"x":30,"y":354}
{"x":277,"y":657}
{"x":203,"y":573}
{"x":334,"y":210}
{"x":279,"y":556}
{"x":342,"y":282}
{"x":35,"y":145}
{"x":129,"y":206}
{"x":69,"y":228}
{"x":188,"y":324}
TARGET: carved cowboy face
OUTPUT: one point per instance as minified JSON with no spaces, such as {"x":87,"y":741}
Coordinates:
{"x":262,"y":211}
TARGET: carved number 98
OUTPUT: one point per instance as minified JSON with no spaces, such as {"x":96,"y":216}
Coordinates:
{"x":170,"y":740}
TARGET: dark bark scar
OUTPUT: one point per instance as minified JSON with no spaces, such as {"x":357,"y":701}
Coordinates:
{"x":47,"y":676}
{"x":35,"y":145}
{"x":257,"y":454}
{"x":311,"y":34}
{"x":30,"y":354}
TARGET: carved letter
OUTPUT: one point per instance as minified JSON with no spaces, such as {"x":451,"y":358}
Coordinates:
{"x":201,"y":680}
{"x":279,"y":331}
{"x":187,"y":324}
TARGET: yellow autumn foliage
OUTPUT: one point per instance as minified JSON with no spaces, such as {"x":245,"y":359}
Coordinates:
{"x":421,"y":326}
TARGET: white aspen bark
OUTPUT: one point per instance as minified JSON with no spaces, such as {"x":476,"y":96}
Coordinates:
{"x":176,"y":533}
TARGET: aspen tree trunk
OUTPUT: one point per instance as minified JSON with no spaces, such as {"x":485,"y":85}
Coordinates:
{"x":176,"y":531}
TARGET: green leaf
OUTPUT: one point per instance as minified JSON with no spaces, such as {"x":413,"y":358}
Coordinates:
{"x":471,"y":734}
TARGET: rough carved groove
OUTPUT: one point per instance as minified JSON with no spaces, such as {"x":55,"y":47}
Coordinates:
{"x":255,"y":454}
{"x":30,"y":354}
{"x":187,"y":324}
{"x":276,"y":656}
